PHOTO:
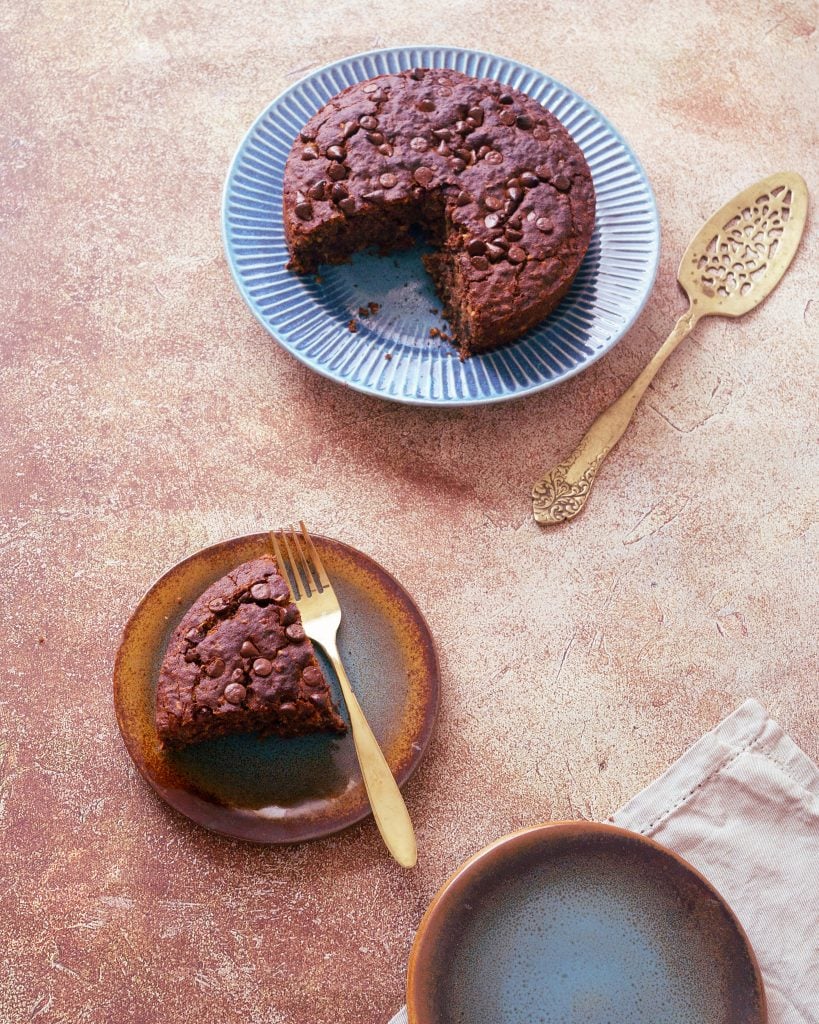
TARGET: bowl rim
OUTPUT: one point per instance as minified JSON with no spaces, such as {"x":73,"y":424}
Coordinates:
{"x":553,"y":829}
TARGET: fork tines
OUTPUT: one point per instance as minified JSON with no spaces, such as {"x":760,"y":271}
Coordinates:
{"x":302,"y":566}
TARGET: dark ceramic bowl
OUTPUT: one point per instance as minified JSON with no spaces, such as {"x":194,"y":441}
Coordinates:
{"x":277,"y":790}
{"x":581,"y":923}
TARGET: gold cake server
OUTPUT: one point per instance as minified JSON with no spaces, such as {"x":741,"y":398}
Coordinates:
{"x":734,"y":261}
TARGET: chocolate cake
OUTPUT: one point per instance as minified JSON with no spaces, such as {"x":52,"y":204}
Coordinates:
{"x":239,"y":661}
{"x":492,"y":179}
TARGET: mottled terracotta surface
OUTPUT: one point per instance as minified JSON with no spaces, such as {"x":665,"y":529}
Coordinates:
{"x":146,"y":414}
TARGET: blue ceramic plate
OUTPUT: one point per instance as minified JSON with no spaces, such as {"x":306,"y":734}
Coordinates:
{"x":581,"y":923}
{"x":310,"y":317}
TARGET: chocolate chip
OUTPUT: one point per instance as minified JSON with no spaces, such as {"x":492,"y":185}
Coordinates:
{"x":507,"y":117}
{"x":417,"y":74}
{"x":491,"y":220}
{"x":515,"y":222}
{"x":419,"y":144}
{"x":476,"y":114}
{"x":260,"y":592}
{"x":562,"y":183}
{"x":310,"y":152}
{"x":514,"y":234}
{"x":464,"y":199}
{"x":444,"y":149}
{"x":545,"y":225}
{"x":544,"y":172}
{"x":347,"y":205}
{"x":291,"y":613}
{"x":262,"y":667}
{"x":506,"y":99}
{"x":466,"y":155}
{"x":529,"y":180}
{"x":524,"y":121}
{"x":513,"y":183}
{"x":335,"y":153}
{"x":337,"y":172}
{"x":494,"y":252}
{"x":318,"y":191}
{"x":385,"y":149}
{"x":368,"y":122}
{"x":499,"y":241}
{"x":319,"y":699}
{"x":339,"y":192}
{"x":249,"y":650}
{"x":296,"y":631}
{"x":476,"y":247}
{"x":287,"y":708}
{"x":217,"y":604}
{"x":426,"y":105}
{"x":190,"y":654}
{"x":424,"y":176}
{"x":215,"y":668}
{"x":312,"y":676}
{"x":370,"y":87}
{"x":307,"y":135}
{"x":494,"y":157}
{"x":483,"y":150}
{"x":493,"y":203}
{"x":461,"y":127}
{"x":480,"y":263}
{"x":376,"y":196}
{"x":304,"y":211}
{"x":235,"y":693}
{"x":237,"y":675}
{"x":516,"y":254}
{"x":515,"y":194}
{"x":376,"y":138}
{"x":456,"y":164}
{"x":349,"y":130}
{"x":388,"y":180}
{"x":541,"y":132}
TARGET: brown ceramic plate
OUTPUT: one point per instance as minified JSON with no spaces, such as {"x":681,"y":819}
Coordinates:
{"x":284,"y":790}
{"x":581,"y":923}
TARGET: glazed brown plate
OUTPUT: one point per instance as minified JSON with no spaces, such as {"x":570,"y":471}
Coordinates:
{"x":581,"y":923}
{"x":277,"y":790}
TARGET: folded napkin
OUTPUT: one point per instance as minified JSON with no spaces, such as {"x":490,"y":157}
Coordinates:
{"x":742,"y":806}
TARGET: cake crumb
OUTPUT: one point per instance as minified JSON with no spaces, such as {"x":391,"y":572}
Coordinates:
{"x":374,"y":307}
{"x":434,"y":332}
{"x":388,"y":356}
{"x":352,"y":327}
{"x":363,"y":311}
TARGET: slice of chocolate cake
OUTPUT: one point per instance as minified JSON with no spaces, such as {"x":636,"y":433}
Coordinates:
{"x":239,"y":661}
{"x":492,"y":178}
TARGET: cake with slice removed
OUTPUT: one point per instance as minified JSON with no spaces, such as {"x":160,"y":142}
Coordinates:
{"x":240,"y":662}
{"x":491,"y":178}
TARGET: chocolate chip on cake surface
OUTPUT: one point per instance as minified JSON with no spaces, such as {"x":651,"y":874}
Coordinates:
{"x":262,"y":667}
{"x":424,"y":175}
{"x":260,"y":592}
{"x":235,"y":693}
{"x":388,"y":179}
{"x":337,"y":172}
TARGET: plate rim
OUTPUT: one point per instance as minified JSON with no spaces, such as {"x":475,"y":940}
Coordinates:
{"x":402,"y":776}
{"x":567,"y":827}
{"x":439,"y":403}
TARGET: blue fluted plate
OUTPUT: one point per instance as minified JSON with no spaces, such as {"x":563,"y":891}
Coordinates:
{"x":310,"y":317}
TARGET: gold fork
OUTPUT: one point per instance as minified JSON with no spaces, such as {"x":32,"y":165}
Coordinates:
{"x":320,"y":611}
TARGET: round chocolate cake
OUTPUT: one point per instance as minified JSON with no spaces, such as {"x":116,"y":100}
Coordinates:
{"x":494,"y":181}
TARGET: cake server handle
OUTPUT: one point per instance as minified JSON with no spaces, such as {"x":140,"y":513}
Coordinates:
{"x":563,"y":491}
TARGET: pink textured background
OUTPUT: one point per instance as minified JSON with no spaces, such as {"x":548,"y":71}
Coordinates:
{"x":145,"y":414}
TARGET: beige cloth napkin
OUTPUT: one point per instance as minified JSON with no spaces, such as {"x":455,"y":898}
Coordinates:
{"x":742,"y":806}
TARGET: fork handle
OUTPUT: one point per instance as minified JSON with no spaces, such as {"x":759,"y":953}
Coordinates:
{"x":388,"y":807}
